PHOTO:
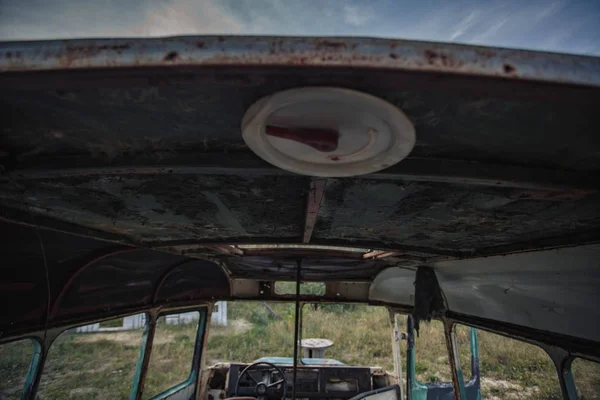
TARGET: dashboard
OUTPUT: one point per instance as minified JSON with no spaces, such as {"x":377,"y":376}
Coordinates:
{"x":312,"y":382}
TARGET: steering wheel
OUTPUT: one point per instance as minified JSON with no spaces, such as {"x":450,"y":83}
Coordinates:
{"x":262,"y":387}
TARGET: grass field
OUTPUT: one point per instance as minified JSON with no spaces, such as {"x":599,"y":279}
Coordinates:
{"x":101,"y":365}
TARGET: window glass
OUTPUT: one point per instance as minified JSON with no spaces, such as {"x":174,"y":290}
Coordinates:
{"x":365,"y":342}
{"x":93,"y":361}
{"x":431,"y":354}
{"x":172,"y":353}
{"x":15,"y":358}
{"x":509,"y":368}
{"x":360,"y":334}
{"x":586,"y":375}
{"x":249,"y":331}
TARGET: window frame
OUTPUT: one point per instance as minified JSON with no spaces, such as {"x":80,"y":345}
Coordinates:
{"x":562,"y":366}
{"x":44,"y":339}
{"x":473,"y":352}
{"x":567,"y":373}
{"x":144,"y":365}
{"x":54,"y":334}
{"x":34,"y":363}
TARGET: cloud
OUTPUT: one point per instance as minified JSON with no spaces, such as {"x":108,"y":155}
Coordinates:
{"x":465,"y":25}
{"x":355,"y":15}
{"x":181,"y":17}
{"x":557,"y":25}
{"x":19,"y":21}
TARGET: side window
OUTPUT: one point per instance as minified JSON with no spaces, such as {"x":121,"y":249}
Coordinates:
{"x":431,"y":354}
{"x":586,"y":375}
{"x":429,"y":369}
{"x":93,"y":361}
{"x":509,"y":367}
{"x":465,"y":341}
{"x":172,"y":356}
{"x":15,"y":362}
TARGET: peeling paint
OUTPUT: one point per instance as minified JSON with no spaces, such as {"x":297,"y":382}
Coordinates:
{"x":295,"y":51}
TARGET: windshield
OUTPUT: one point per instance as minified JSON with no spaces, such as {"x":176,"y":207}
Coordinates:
{"x":557,"y":26}
{"x":260,"y":330}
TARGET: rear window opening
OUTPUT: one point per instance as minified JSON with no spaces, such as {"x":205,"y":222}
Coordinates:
{"x":306,"y":288}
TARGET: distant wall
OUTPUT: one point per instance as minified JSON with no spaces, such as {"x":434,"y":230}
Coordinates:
{"x":219,"y":318}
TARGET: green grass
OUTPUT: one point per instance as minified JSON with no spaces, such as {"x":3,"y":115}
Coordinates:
{"x":171,"y":358}
{"x":14,"y":364}
{"x":587,"y":376}
{"x":101,"y":365}
{"x":95,"y":369}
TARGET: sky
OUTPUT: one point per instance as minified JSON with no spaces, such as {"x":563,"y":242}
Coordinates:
{"x":547,"y":25}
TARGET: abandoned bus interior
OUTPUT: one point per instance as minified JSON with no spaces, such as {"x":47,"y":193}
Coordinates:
{"x":298,"y":218}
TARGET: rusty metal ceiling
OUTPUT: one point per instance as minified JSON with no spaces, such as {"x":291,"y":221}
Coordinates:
{"x":138,"y":142}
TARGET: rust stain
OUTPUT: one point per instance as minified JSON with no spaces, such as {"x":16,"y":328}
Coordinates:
{"x":509,"y":69}
{"x":75,"y":53}
{"x":487,"y":53}
{"x":440,"y":59}
{"x":171,"y":56}
{"x":117,"y":47}
{"x":278,"y":51}
{"x":330,"y":44}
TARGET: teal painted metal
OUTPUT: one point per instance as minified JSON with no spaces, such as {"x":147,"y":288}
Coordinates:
{"x":33,"y":369}
{"x":192,"y":379}
{"x":137,"y":376}
{"x":570,"y":382}
{"x":417,"y":390}
{"x":474,"y":347}
{"x":421,"y":391}
{"x":172,"y":391}
{"x":303,"y":361}
{"x":461,"y":385}
{"x":474,"y":343}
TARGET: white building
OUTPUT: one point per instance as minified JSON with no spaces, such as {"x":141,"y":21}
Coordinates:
{"x":219,"y":318}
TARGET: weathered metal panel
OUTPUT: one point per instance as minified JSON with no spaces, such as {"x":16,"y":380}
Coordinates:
{"x":454,"y":218}
{"x":89,"y":279}
{"x":294,"y":51}
{"x":553,"y":291}
{"x":173,"y":207}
